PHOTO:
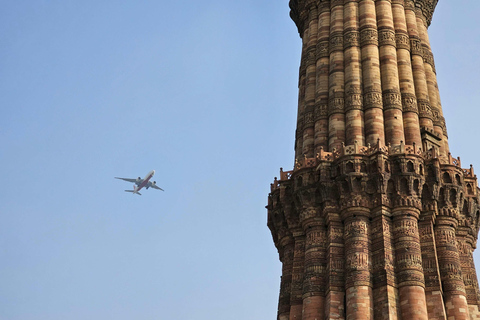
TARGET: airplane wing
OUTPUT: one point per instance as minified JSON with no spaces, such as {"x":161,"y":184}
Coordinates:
{"x":129,"y":180}
{"x":154,"y":185}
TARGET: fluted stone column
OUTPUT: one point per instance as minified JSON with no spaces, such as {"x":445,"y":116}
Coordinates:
{"x":418,"y":69}
{"x":433,"y":92}
{"x":470,"y":275}
{"x":310,"y":82}
{"x":433,"y":286}
{"x":392,"y":101}
{"x":301,"y":101}
{"x":322,"y":89}
{"x":336,"y":104}
{"x":315,"y":269}
{"x":296,"y":301}
{"x":335,"y":296}
{"x":286,"y":257}
{"x":372,"y":86}
{"x":450,"y":268}
{"x":465,"y":252}
{"x":408,"y":255}
{"x":385,"y":292}
{"x":353,"y":75}
{"x":407,"y":87}
{"x":357,"y":259}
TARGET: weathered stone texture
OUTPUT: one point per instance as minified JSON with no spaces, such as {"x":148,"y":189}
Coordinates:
{"x":376,"y":220}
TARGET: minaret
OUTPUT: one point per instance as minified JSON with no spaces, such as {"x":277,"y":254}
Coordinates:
{"x":376,"y":220}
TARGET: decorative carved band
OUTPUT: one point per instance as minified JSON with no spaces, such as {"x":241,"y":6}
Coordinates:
{"x":445,"y":236}
{"x":392,"y":99}
{"x":321,"y":110}
{"x":336,"y":104}
{"x":368,"y":36}
{"x":311,"y":55}
{"x":308,"y":119}
{"x":438,"y":120}
{"x":373,"y":99}
{"x":357,"y":261}
{"x":299,"y":132}
{"x":336,"y":42}
{"x":386,"y":37}
{"x":351,"y":39}
{"x":409,"y":261}
{"x":428,"y":57}
{"x":356,"y":228}
{"x":411,"y":278}
{"x":335,"y":234}
{"x":409,"y":102}
{"x":403,"y":41}
{"x":323,"y":49}
{"x":416,"y":46}
{"x":424,"y":109}
{"x":353,"y":99}
{"x":316,"y":238}
{"x":406,"y":227}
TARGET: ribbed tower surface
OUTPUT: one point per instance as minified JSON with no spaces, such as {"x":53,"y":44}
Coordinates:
{"x":376,"y":220}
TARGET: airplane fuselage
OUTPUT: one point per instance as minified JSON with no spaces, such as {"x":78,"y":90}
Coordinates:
{"x":144,"y":182}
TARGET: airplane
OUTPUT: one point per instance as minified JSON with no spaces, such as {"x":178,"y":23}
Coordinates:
{"x":140,"y":183}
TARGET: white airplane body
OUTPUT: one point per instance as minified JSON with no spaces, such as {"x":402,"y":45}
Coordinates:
{"x":141,"y":183}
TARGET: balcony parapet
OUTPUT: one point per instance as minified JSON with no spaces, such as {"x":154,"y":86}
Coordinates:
{"x":356,"y":149}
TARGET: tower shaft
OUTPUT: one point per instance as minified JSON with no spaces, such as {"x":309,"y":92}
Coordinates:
{"x":367,"y":75}
{"x":376,"y":220}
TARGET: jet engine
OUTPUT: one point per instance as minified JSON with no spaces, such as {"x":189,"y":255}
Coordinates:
{"x":154,"y":182}
{"x":138,"y":179}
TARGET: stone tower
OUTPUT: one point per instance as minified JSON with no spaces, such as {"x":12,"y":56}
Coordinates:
{"x":376,"y":220}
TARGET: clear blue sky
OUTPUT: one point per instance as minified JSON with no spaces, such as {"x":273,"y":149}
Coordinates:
{"x":205,"y":93}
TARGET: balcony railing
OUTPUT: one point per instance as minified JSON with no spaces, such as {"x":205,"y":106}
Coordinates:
{"x":356,"y":149}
